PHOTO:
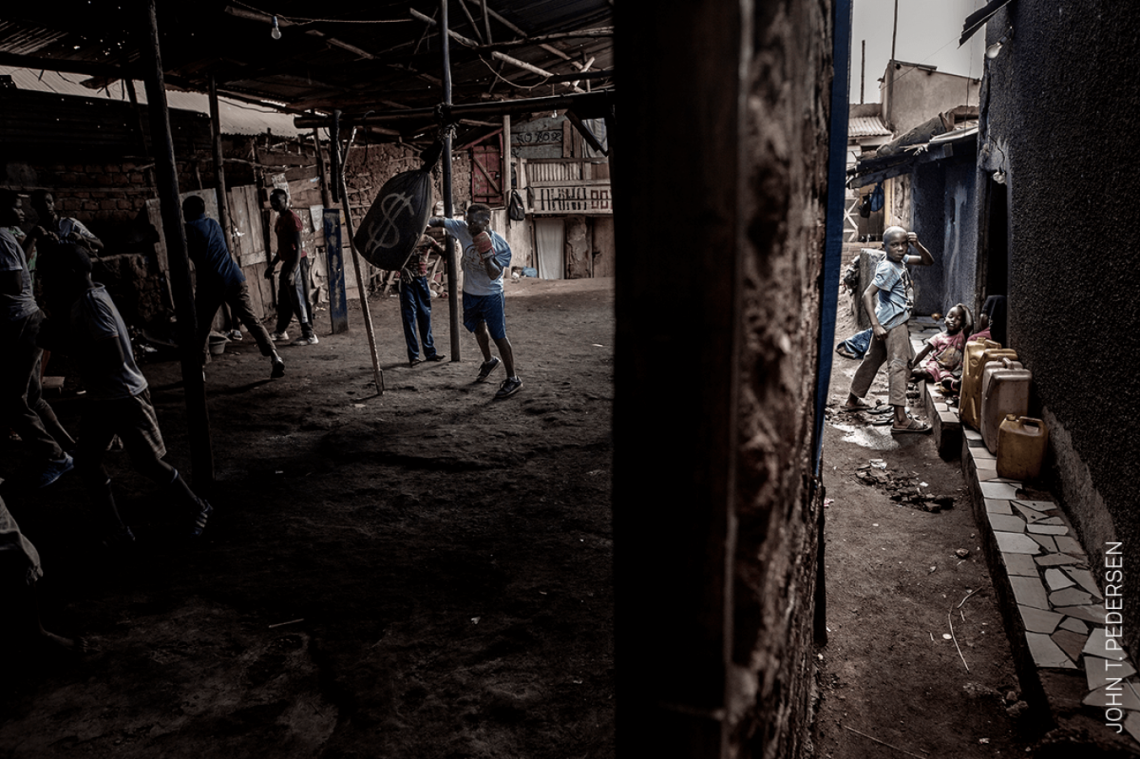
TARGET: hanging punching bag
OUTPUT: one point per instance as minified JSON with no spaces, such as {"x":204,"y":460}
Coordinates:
{"x":396,"y":220}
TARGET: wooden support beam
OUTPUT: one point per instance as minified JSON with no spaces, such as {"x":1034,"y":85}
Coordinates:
{"x":599,"y":102}
{"x":471,"y":20}
{"x":220,"y":168}
{"x":472,"y":44}
{"x":166,"y":175}
{"x":448,"y":201}
{"x":362,"y":294}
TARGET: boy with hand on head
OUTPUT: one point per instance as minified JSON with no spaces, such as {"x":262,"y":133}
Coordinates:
{"x":118,"y":398}
{"x":486,"y":255}
{"x":220,"y":280}
{"x":293,"y":287}
{"x":889,"y":300}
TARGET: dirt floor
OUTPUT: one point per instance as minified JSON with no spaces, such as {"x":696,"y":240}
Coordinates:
{"x":422,"y":574}
{"x":428,"y":573}
{"x":902,"y":603}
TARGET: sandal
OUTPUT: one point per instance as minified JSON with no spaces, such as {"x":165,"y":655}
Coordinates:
{"x":860,"y":406}
{"x":913,"y":425}
{"x":843,"y":351}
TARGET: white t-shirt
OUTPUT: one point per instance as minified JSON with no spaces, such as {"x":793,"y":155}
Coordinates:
{"x":94,"y":318}
{"x":15,"y":308}
{"x":475,"y":279}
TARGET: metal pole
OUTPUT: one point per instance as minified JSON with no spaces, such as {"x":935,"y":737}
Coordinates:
{"x":448,"y":203}
{"x":220,"y":169}
{"x":166,"y":181}
{"x":863,"y":73}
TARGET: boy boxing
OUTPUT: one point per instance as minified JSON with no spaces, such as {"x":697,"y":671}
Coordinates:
{"x":118,"y":398}
{"x":486,"y":255}
{"x":888,"y":301}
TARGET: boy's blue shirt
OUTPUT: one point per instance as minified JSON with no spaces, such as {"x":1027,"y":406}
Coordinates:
{"x":896,"y":293}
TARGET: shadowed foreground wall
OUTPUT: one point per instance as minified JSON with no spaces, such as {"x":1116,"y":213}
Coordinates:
{"x":1059,"y":116}
{"x":719,"y":176}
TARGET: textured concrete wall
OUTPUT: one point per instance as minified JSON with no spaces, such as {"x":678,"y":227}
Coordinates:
{"x":775,"y":560}
{"x":716,"y":523}
{"x":1061,"y":100}
{"x":945,"y":218}
{"x":920,"y":94}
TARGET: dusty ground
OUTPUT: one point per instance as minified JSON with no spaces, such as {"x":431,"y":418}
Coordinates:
{"x":422,"y":574}
{"x":427,"y":573}
{"x":889,"y":673}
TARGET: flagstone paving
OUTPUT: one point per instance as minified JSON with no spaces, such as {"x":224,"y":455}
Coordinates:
{"x":1060,"y":611}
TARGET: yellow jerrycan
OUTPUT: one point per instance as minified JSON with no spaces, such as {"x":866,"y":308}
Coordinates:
{"x":978,"y":354}
{"x":1021,"y":446}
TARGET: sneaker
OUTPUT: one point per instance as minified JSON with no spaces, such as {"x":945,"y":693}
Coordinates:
{"x":510,"y":386}
{"x":310,"y":340}
{"x":278,"y":368}
{"x":234,"y":334}
{"x":200,"y":519}
{"x":436,"y":357}
{"x":279,"y":337}
{"x":54,"y":469}
{"x":487,"y":367}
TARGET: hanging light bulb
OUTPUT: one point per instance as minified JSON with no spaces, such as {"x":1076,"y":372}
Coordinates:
{"x":275,"y":32}
{"x":994,"y":50}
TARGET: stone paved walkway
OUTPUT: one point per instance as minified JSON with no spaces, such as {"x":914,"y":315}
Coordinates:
{"x":1068,"y":655}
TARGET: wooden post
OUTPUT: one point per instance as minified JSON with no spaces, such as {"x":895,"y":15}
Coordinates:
{"x":448,"y":201}
{"x":334,"y":158}
{"x":220,"y":170}
{"x":326,"y":198}
{"x":338,"y":179}
{"x":508,"y":185}
{"x":166,"y":176}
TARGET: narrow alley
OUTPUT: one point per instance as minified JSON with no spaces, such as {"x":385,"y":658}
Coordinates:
{"x":917,"y":659}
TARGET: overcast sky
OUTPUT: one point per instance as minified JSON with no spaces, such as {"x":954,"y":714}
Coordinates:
{"x":928,"y":33}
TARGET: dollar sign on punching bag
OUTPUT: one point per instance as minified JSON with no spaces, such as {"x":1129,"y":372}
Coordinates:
{"x":396,"y":220}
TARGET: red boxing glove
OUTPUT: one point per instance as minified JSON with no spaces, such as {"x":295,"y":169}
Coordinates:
{"x":482,"y":242}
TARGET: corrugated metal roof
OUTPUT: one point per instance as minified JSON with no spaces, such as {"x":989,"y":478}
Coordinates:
{"x":356,"y":56}
{"x":866,"y":126}
{"x":236,"y":117}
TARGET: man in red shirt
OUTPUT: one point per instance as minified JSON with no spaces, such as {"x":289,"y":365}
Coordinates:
{"x":293,"y":287}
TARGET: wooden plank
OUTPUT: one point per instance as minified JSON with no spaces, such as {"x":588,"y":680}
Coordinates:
{"x":604,"y":246}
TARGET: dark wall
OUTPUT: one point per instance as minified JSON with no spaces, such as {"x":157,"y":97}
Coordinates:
{"x":960,"y":236}
{"x":945,"y":218}
{"x":928,"y":219}
{"x":1059,"y":115}
{"x":716,"y":524}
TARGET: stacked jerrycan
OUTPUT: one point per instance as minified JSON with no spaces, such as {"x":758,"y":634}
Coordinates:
{"x":1021,"y":447}
{"x":1005,"y":392}
{"x":978,"y":354}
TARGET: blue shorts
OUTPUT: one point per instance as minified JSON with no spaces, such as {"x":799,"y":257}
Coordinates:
{"x":488,"y":309}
